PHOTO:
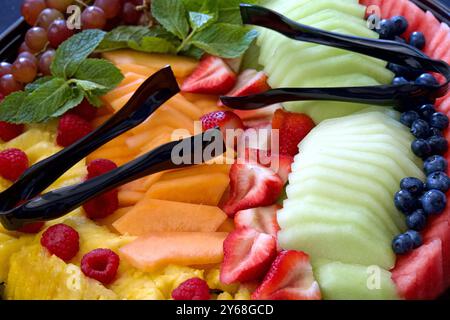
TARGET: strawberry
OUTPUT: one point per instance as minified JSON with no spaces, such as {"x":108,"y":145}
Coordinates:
{"x":293,"y":129}
{"x":290,"y":278}
{"x":252,"y":118}
{"x":279,"y":163}
{"x":257,"y":137}
{"x":223,"y":119}
{"x":252,"y":186}
{"x":249,"y":82}
{"x":247,"y":255}
{"x":212,"y":76}
{"x":263,"y":219}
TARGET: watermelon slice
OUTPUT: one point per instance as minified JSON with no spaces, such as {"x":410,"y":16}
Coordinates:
{"x":442,"y":49}
{"x":439,"y":38}
{"x":389,"y":8}
{"x":429,"y":26}
{"x":441,"y":231}
{"x":419,"y":275}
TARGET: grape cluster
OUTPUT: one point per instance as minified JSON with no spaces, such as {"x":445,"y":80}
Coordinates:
{"x":49,"y":29}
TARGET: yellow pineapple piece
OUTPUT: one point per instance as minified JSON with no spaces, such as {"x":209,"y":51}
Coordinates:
{"x":34,"y":274}
{"x":8,"y":246}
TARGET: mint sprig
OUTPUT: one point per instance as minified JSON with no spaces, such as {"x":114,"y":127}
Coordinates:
{"x":74,"y":77}
{"x":187,"y":27}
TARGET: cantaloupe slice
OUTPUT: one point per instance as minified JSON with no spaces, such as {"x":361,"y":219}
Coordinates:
{"x":141,"y":70}
{"x":155,"y":143}
{"x":227,"y":226}
{"x":123,"y":90}
{"x":180,"y":248}
{"x":185,"y":106}
{"x":181,"y":66}
{"x":129,"y":198}
{"x":108,"y":221}
{"x":139,"y":140}
{"x":154,"y":215}
{"x":196,"y":170}
{"x":121,"y":102}
{"x":130,"y":77}
{"x":200,"y":189}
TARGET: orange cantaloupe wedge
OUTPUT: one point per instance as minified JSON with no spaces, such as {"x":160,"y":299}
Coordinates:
{"x":130,"y":198}
{"x":122,"y":91}
{"x":151,"y":180}
{"x":121,"y":102}
{"x":111,"y":152}
{"x":181,"y":66}
{"x":227,"y":226}
{"x":179,"y":248}
{"x":196,"y":170}
{"x":204,"y":189}
{"x":139,"y":140}
{"x":119,"y":213}
{"x":154,"y":215}
{"x":185,"y":106}
{"x":136,"y":185}
{"x":139,"y":69}
{"x":97,"y":122}
{"x":120,"y":161}
{"x":130,"y":77}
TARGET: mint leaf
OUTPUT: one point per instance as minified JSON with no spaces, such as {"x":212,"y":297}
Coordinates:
{"x":171,"y":14}
{"x":72,"y":52}
{"x":140,"y":38}
{"x":37,"y":83}
{"x":229,"y":11}
{"x":99,"y":75}
{"x":209,"y":7}
{"x":193,"y":52}
{"x":224,"y":40}
{"x":9,"y":106}
{"x":199,"y":21}
{"x":75,"y":99}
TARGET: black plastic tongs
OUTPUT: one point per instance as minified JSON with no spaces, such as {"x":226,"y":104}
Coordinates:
{"x":384,"y":95}
{"x":21,"y":205}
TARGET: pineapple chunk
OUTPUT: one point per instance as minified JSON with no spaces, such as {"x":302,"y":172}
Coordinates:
{"x":34,"y":274}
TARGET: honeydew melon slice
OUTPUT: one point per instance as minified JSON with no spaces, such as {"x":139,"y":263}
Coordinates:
{"x":316,"y":209}
{"x":345,"y":243}
{"x":340,"y":281}
{"x":344,"y":193}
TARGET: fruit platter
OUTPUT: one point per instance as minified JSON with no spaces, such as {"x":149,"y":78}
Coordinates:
{"x":331,"y":182}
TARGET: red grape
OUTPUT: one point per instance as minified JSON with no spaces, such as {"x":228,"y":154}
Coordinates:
{"x":5,"y":68}
{"x":110,"y":7}
{"x":60,"y":5}
{"x":58,"y":32}
{"x":36,"y":38}
{"x":24,"y":70}
{"x":46,"y":61}
{"x":24,"y":48}
{"x":136,"y":2}
{"x":93,"y":18}
{"x":129,"y":13}
{"x":31,"y":9}
{"x":28,"y":55}
{"x":9,"y":85}
{"x":48,"y":16}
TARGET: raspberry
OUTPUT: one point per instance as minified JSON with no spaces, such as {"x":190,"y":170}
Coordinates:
{"x":9,"y":131}
{"x":192,"y":289}
{"x":101,"y":265}
{"x":98,"y":167}
{"x":13,"y":163}
{"x":32,"y":228}
{"x":84,"y":110}
{"x":62,"y":241}
{"x":103,"y":205}
{"x":71,"y":128}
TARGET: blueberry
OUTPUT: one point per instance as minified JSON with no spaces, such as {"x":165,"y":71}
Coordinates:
{"x":402,"y":244}
{"x":438,"y":181}
{"x":399,"y":80}
{"x":438,"y":144}
{"x":409,"y":117}
{"x":436,"y":132}
{"x":416,"y":221}
{"x":415,"y":237}
{"x":426,"y":111}
{"x":435,"y":164}
{"x":400,"y":24}
{"x":413,"y":186}
{"x":386,"y":29}
{"x":439,"y":121}
{"x":427,"y":79}
{"x":420,"y":129}
{"x":402,"y":71}
{"x":417,"y":39}
{"x":433,"y":202}
{"x":421,"y":148}
{"x":405,"y":202}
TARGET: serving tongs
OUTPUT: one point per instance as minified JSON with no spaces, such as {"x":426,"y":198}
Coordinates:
{"x":384,"y":95}
{"x":21,"y":204}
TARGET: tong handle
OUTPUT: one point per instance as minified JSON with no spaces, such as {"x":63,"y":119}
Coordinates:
{"x":58,"y":203}
{"x":37,"y":178}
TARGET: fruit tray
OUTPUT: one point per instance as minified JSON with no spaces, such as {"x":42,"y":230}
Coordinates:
{"x":202,"y":213}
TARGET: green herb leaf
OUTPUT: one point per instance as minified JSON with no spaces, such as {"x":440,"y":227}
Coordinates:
{"x":224,"y":40}
{"x":10,"y":106}
{"x":229,"y":11}
{"x":199,"y":21}
{"x":193,"y":52}
{"x":75,"y":99}
{"x":99,"y":75}
{"x":72,"y":52}
{"x":171,"y":14}
{"x":37,"y":83}
{"x":210,"y":7}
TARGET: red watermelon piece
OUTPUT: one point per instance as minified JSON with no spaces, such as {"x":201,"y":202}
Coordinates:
{"x":389,"y":8}
{"x":414,"y":15}
{"x":443,"y":105}
{"x":442,"y":49}
{"x":439,"y":38}
{"x":429,"y":26}
{"x":419,"y":275}
{"x":441,"y":231}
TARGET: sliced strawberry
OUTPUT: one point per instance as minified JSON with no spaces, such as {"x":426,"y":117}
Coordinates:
{"x":279,"y":163}
{"x":253,"y":118}
{"x":262,"y":219}
{"x":252,"y":186}
{"x":234,"y":63}
{"x":247,"y":255}
{"x":223,"y":119}
{"x":290,"y":278}
{"x":212,"y":76}
{"x":293,"y":128}
{"x":249,"y":82}
{"x":257,"y":137}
